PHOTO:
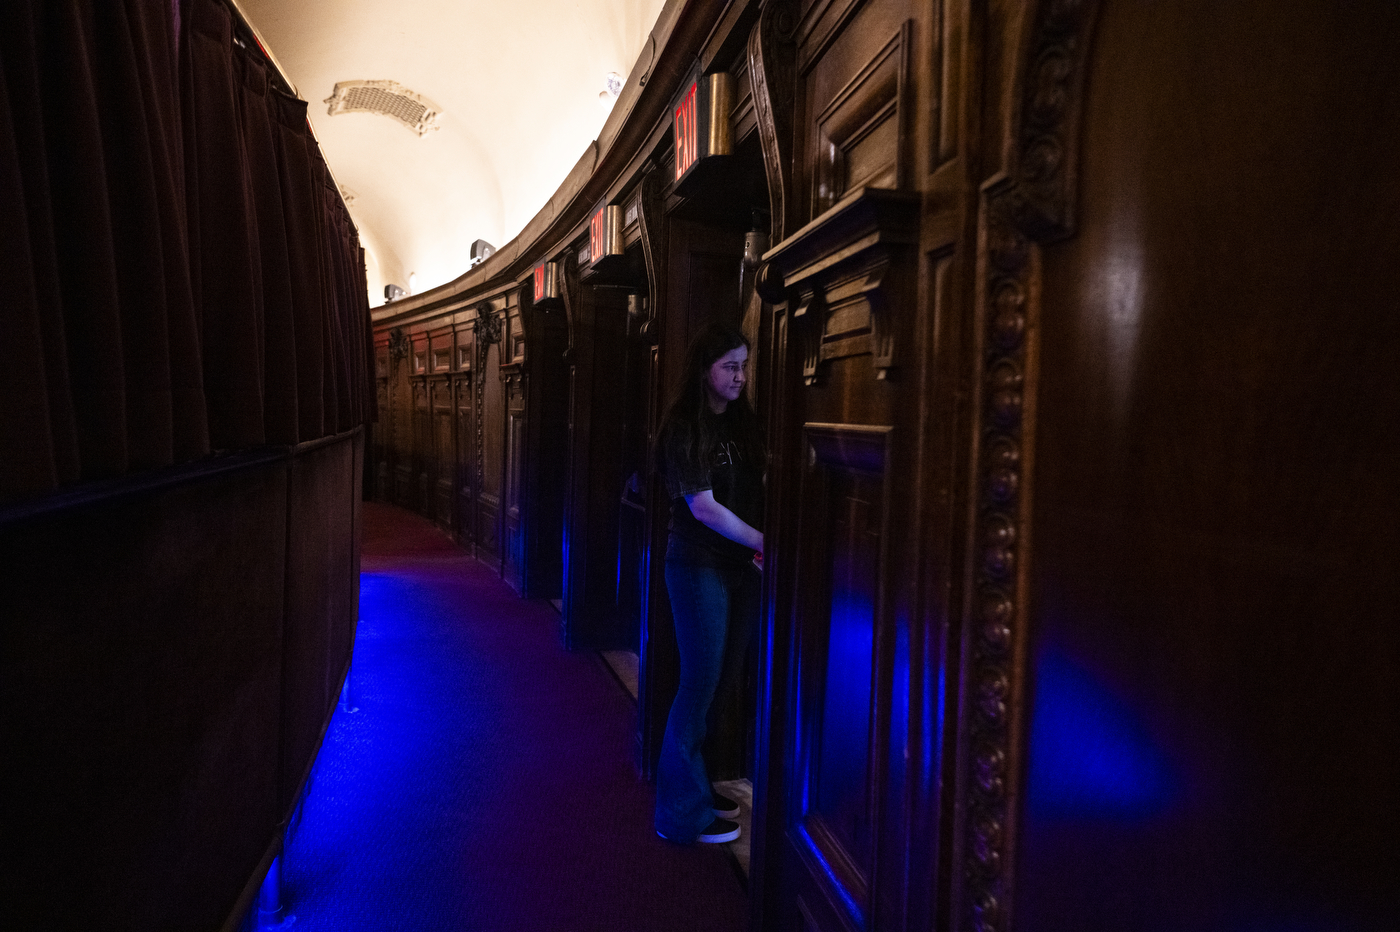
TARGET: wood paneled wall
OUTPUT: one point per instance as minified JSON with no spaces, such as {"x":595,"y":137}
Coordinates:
{"x":171,"y":653}
{"x":471,"y":431}
{"x":1071,"y":341}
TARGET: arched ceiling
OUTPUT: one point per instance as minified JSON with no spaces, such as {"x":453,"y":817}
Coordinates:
{"x":518,"y":85}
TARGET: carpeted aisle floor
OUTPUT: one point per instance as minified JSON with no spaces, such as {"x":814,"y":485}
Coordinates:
{"x":487,"y":780}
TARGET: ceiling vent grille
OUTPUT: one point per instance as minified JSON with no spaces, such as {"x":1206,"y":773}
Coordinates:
{"x":388,"y":98}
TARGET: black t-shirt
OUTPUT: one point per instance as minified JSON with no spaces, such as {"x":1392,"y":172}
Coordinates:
{"x":736,"y":484}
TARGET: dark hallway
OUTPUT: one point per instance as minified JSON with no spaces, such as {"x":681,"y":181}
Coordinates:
{"x":1068,"y":329}
{"x":487,"y":780}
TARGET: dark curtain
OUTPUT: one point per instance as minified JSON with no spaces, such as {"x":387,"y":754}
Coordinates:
{"x":299,"y":217}
{"x":180,"y":274}
{"x":223,"y":229}
{"x":279,"y":361}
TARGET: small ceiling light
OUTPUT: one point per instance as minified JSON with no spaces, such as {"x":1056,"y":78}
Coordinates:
{"x":412,"y":282}
{"x":612,"y":87}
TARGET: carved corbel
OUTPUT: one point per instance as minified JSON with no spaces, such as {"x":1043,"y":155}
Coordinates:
{"x":841,"y":273}
{"x":569,"y":293}
{"x":651,"y":226}
{"x":882,"y":342}
{"x":809,"y":320}
{"x":530,"y":326}
{"x":488,"y":325}
{"x":772,"y":77}
{"x":398,"y":344}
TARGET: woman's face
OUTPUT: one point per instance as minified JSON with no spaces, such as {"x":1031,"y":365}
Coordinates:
{"x":724,"y":381}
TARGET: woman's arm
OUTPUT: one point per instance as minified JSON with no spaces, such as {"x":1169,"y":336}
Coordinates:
{"x":723,"y":521}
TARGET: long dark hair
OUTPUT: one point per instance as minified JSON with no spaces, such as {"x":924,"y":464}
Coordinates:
{"x":690,"y":427}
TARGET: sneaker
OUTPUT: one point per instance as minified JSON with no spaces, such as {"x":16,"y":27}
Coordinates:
{"x":718,"y":831}
{"x":724,"y":807}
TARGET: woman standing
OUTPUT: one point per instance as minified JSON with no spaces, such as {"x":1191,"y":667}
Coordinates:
{"x":711,"y":455}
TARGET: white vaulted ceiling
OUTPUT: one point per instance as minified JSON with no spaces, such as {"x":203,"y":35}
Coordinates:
{"x":518,"y":84}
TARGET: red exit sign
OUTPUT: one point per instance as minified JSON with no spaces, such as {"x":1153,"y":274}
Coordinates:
{"x":700,"y":121}
{"x":546,"y":281}
{"x":687,"y":129}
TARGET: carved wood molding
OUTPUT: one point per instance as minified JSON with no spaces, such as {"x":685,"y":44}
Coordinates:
{"x":1032,"y":204}
{"x":1050,"y":99}
{"x":398,"y":343}
{"x":487,"y":328}
{"x":651,"y":229}
{"x":772,"y":53}
{"x":488,"y":325}
{"x":836,"y":272}
{"x":569,"y":294}
{"x":531,"y":326}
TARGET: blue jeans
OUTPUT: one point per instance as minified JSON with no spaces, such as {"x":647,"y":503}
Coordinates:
{"x":714,"y":610}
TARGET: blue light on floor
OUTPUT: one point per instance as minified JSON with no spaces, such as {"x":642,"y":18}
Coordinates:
{"x":1091,"y":757}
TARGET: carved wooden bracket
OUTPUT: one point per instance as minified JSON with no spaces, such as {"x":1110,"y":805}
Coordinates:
{"x":772,"y":70}
{"x":398,"y":343}
{"x":651,"y":226}
{"x":488,"y":325}
{"x":838,"y":273}
{"x":569,"y":292}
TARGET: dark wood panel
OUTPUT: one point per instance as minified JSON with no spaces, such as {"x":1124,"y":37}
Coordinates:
{"x":401,"y":425}
{"x":444,"y":449}
{"x":423,"y":459}
{"x":513,"y":555}
{"x":169,"y":656}
{"x":465,"y":462}
{"x":600,"y":353}
{"x":833,"y":799}
{"x":546,"y":438}
{"x":1214,"y":722}
{"x":490,"y":476}
{"x":854,"y":71}
{"x":319,"y":622}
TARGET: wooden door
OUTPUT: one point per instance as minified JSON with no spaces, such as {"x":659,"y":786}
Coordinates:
{"x":633,"y":518}
{"x":490,"y":475}
{"x":401,"y":421}
{"x":465,"y":460}
{"x":546,"y":406}
{"x":512,"y":523}
{"x":599,"y":328}
{"x":381,"y":451}
{"x":844,"y":572}
{"x":854,"y":645}
{"x":444,"y":449}
{"x":421,"y":415}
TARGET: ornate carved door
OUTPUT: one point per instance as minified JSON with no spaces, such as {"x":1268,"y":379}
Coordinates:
{"x":867,"y":287}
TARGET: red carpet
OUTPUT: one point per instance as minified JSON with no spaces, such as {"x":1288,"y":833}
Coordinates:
{"x":487,"y":781}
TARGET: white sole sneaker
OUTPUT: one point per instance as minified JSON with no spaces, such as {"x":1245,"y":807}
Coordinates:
{"x":718,"y":831}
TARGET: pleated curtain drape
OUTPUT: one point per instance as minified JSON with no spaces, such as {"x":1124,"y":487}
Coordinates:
{"x":179,"y":274}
